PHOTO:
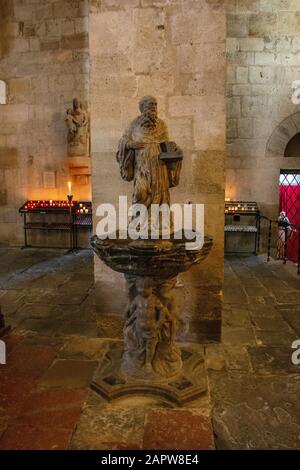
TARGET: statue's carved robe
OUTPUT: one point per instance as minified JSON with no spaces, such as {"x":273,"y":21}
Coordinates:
{"x":152,"y":177}
{"x":78,"y":133}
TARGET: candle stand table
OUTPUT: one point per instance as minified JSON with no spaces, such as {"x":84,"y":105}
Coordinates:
{"x":64,"y":216}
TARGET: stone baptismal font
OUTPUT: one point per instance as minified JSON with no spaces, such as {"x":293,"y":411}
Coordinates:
{"x":149,"y":360}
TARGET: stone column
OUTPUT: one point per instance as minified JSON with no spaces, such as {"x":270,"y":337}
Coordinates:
{"x":174,"y":51}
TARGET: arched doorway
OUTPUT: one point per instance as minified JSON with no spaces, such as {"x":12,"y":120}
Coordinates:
{"x":284,"y":147}
{"x":289,"y":215}
{"x":292,"y":149}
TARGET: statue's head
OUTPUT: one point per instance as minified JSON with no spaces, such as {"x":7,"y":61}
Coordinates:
{"x":148,"y":108}
{"x":148,"y":104}
{"x":143,"y":288}
{"x":76,"y":103}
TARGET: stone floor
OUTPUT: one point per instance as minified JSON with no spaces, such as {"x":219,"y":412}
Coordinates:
{"x":57,"y":341}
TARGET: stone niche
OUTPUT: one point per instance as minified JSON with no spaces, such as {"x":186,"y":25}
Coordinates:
{"x":176,"y":52}
{"x":78,"y":148}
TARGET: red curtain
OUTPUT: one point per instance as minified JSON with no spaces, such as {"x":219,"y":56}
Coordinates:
{"x":290,"y":204}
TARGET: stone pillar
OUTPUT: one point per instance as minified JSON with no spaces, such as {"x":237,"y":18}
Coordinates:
{"x":175,"y":51}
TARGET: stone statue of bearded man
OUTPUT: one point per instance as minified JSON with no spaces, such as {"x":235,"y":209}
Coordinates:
{"x":138,"y":156}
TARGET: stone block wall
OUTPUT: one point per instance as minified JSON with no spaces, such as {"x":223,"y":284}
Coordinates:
{"x":44,"y":61}
{"x":174,"y":50}
{"x":263,"y":59}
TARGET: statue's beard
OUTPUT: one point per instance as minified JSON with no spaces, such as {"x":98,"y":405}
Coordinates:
{"x":149,"y":119}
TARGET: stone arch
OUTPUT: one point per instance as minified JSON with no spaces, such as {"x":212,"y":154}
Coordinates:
{"x":282,"y":135}
{"x":292,"y":149}
{"x":2,"y":92}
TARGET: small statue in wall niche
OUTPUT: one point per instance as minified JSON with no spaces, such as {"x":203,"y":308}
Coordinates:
{"x":77,"y":121}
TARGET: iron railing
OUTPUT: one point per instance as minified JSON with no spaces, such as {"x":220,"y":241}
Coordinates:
{"x":278,"y":237}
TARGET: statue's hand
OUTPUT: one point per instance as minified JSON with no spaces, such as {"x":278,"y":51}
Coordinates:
{"x":177,"y":149}
{"x":132,"y":145}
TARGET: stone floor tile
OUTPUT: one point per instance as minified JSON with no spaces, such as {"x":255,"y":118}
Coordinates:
{"x":82,"y":277}
{"x":262,"y":272}
{"x":78,"y":327}
{"x":241,"y":427}
{"x":273,"y":284}
{"x":35,"y":310}
{"x":69,"y":373}
{"x":237,"y":358}
{"x":75,"y":286}
{"x":177,"y":430}
{"x":56,"y":418}
{"x":287,"y":297}
{"x":12,"y":340}
{"x":270,"y":324}
{"x":237,"y":317}
{"x":235,"y":294}
{"x":275,"y":338}
{"x":11,"y":296}
{"x":291,"y":307}
{"x":263,"y":310}
{"x":269,"y":301}
{"x":255,"y":412}
{"x":238,"y":336}
{"x":81,"y":347}
{"x":60,"y":399}
{"x":13,"y":392}
{"x":248,"y":280}
{"x":293,"y":319}
{"x":34,"y":294}
{"x":74,"y":313}
{"x":64,"y":298}
{"x":43,"y":326}
{"x":9,"y":309}
{"x":255,"y":291}
{"x":19,"y":437}
{"x":39,"y":340}
{"x":23,"y":280}
{"x":4,"y":422}
{"x":293,"y":284}
{"x":119,"y":425}
{"x":215,"y":357}
{"x":272,"y":360}
{"x":30,"y":361}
